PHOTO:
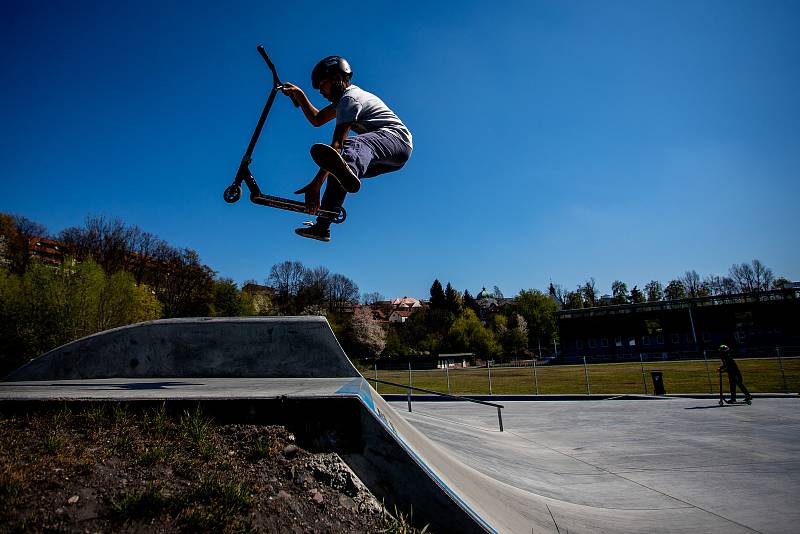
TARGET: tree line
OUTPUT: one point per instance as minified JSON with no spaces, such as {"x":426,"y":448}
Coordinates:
{"x":453,"y":322}
{"x":750,"y":277}
{"x":114,"y":274}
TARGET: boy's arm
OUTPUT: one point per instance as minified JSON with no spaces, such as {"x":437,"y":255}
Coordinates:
{"x":340,"y":134}
{"x":315,"y":117}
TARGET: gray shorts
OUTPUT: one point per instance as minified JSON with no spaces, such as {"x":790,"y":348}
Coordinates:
{"x":375,"y":153}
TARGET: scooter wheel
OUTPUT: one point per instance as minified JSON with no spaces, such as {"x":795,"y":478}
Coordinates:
{"x":341,"y":217}
{"x":232,"y":193}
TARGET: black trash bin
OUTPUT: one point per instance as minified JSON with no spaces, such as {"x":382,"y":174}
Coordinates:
{"x":658,"y":383}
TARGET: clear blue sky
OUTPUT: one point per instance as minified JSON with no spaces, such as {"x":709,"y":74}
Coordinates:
{"x":553,"y":140}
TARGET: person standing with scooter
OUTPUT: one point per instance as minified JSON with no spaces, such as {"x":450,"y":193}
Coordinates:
{"x":734,"y":374}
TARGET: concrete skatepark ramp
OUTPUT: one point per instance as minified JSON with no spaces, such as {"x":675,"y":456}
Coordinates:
{"x":293,"y":371}
{"x":247,"y":347}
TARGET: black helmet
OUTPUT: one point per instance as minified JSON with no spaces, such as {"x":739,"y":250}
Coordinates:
{"x":328,"y":66}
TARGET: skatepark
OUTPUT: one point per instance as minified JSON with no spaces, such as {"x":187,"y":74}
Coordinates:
{"x":634,"y":464}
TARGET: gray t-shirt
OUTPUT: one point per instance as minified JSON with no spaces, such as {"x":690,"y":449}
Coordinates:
{"x":368,"y":113}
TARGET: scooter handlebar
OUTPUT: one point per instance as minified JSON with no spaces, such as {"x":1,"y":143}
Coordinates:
{"x":276,"y":81}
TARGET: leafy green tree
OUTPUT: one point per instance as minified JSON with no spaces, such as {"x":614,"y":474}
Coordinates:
{"x":229,"y":301}
{"x":452,"y":298}
{"x":637,"y":297}
{"x":512,"y":334}
{"x":469,"y":301}
{"x":654,"y":291}
{"x":619,"y":292}
{"x":675,"y":290}
{"x":47,"y":307}
{"x":438,"y":299}
{"x":539,"y":312}
{"x":574,"y":300}
{"x":187,"y":291}
{"x":589,"y":293}
{"x":396,"y":345}
{"x":467,"y":334}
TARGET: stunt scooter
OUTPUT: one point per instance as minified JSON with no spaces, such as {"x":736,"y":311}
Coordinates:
{"x":722,"y":401}
{"x":234,"y":191}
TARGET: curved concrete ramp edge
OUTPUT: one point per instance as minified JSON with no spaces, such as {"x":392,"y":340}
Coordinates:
{"x":242,"y":347}
{"x":495,"y":506}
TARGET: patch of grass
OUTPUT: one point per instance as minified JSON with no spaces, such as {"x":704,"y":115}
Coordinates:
{"x":121,"y":416}
{"x":197,"y":429}
{"x":62,"y":419}
{"x":265,"y":447}
{"x":158,"y":421}
{"x":216,"y":506}
{"x":52,"y":443}
{"x":94,"y":416}
{"x":152,"y":456}
{"x":10,"y":491}
{"x":144,"y":504}
{"x":400,"y":523}
{"x":761,"y":375}
{"x":123,"y":444}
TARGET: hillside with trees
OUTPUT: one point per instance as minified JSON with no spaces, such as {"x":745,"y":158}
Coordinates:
{"x":104,"y":274}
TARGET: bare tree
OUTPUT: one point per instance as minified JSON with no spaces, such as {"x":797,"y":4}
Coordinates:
{"x":371,"y":298}
{"x":108,"y":241}
{"x":744,"y":278}
{"x":286,"y":277}
{"x":589,"y":293}
{"x":558,"y":293}
{"x":693,"y":285}
{"x":763,"y":276}
{"x":341,"y":292}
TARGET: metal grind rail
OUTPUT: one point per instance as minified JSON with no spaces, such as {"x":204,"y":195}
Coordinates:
{"x":457,"y":397}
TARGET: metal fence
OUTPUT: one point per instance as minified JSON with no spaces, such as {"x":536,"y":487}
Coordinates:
{"x":777,"y":374}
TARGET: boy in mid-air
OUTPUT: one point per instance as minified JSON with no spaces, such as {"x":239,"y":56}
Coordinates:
{"x":383,"y":143}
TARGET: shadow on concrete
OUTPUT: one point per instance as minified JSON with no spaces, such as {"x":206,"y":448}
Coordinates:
{"x":129,"y":385}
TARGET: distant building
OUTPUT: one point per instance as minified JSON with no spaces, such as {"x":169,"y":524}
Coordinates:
{"x":490,"y":305}
{"x":752,"y":323}
{"x":47,"y":251}
{"x":399,"y":316}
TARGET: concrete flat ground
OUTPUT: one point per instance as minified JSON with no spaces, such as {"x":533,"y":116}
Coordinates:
{"x":171,"y":388}
{"x":732,"y":468}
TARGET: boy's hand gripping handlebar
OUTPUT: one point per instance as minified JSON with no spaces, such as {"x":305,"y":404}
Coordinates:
{"x":276,"y":81}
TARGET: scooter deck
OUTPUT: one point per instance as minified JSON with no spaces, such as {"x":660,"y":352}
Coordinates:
{"x":292,"y":205}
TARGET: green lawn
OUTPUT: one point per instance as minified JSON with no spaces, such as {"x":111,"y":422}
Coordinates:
{"x":761,"y":375}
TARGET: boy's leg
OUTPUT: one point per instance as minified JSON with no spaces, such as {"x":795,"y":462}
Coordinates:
{"x":375,"y":153}
{"x":367,"y":155}
{"x":741,"y":385}
{"x":332,"y":198}
{"x":732,"y":383}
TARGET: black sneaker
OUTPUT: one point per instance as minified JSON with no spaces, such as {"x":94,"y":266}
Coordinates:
{"x":329,"y":159}
{"x":315,"y":231}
